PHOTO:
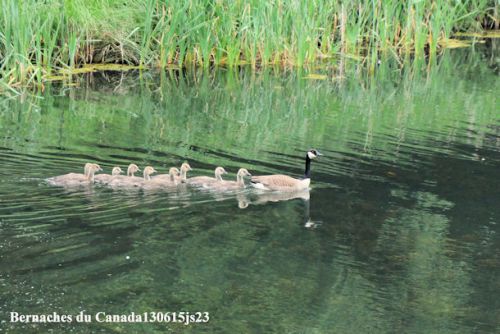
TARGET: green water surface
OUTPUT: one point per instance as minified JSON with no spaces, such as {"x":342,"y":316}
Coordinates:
{"x":400,"y":234}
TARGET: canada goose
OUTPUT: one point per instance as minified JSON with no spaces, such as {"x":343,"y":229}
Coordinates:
{"x":153,"y":183}
{"x":179,"y":177}
{"x":147,"y":173}
{"x":105,"y":178}
{"x":129,"y":181}
{"x":75,"y":179}
{"x":204,"y":180}
{"x":279,"y":182}
{"x":230,"y":185}
{"x":86,"y":168}
{"x":184,"y":169}
{"x":132,"y":169}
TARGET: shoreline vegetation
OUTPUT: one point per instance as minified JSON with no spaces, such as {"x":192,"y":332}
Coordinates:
{"x":49,"y":40}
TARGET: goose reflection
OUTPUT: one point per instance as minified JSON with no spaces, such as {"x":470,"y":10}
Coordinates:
{"x":246,"y":199}
{"x":263,"y":197}
{"x":309,"y":223}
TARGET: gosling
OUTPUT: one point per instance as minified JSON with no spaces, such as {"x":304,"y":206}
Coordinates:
{"x":180,"y":178}
{"x":157,"y":183}
{"x":106,"y":178}
{"x":230,"y":185}
{"x":127,"y":181}
{"x":205,"y":180}
{"x":76,"y":179}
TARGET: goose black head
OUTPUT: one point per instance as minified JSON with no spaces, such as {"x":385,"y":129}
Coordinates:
{"x":313,"y":154}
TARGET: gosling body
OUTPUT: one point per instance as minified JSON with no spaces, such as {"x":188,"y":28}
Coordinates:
{"x":158,"y":183}
{"x":76,"y":179}
{"x":179,"y":176}
{"x":230,"y":185}
{"x":206,"y":180}
{"x":106,"y":178}
{"x":130,"y":180}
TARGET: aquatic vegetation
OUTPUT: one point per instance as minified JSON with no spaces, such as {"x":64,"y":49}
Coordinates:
{"x":38,"y":37}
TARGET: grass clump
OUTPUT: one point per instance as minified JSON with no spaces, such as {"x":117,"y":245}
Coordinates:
{"x":37,"y":37}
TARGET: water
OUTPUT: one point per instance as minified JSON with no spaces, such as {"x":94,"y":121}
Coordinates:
{"x":400,"y":233}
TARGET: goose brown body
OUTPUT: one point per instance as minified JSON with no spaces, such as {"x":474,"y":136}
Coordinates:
{"x":280,"y":182}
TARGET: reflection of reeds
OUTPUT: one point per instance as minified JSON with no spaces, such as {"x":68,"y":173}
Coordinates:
{"x":39,"y":36}
{"x":232,"y":118}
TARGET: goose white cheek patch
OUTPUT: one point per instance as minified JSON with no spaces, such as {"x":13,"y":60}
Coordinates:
{"x":311,"y":155}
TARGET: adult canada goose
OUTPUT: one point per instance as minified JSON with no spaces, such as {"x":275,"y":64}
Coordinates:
{"x":280,"y":182}
{"x":204,"y":180}
{"x":105,"y":178}
{"x":230,"y":185}
{"x":75,"y":179}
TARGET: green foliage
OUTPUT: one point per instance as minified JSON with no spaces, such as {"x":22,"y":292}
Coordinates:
{"x":38,"y":36}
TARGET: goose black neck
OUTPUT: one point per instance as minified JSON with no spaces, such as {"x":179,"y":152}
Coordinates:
{"x":307,"y":173}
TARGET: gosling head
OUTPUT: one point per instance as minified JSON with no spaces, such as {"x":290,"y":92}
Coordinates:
{"x":86,"y":168}
{"x":96,"y":168}
{"x":148,"y":171}
{"x":174,"y":173}
{"x":116,"y":171}
{"x":220,"y":171}
{"x":243,"y":172}
{"x":132,"y":168}
{"x":185,"y":167}
{"x":313,"y":154}
{"x":91,"y":169}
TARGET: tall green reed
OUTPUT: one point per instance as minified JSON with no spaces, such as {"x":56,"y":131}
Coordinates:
{"x":36,"y":37}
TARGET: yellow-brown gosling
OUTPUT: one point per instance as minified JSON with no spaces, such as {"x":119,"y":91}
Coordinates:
{"x":157,"y":183}
{"x":179,"y":177}
{"x":75,"y":179}
{"x":230,"y":185}
{"x":147,"y":173}
{"x":183,"y":174}
{"x":127,"y":181}
{"x":106,"y":178}
{"x":204,"y":180}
